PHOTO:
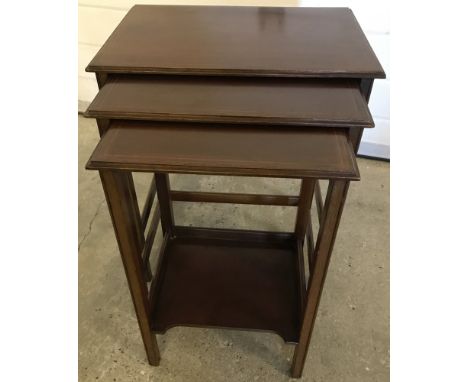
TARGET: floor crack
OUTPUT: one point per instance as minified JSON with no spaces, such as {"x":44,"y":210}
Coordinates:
{"x":90,"y":226}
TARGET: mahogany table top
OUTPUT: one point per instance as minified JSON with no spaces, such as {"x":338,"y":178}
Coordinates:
{"x":215,"y":40}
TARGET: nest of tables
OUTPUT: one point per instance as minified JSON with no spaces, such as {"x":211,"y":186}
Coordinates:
{"x":266,"y":92}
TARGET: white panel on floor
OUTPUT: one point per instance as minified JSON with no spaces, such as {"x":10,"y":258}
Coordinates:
{"x":87,"y":89}
{"x":379,"y":103}
{"x":376,"y":141}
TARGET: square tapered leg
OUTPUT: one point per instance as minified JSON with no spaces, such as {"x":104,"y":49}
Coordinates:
{"x":334,"y":203}
{"x":121,"y":200}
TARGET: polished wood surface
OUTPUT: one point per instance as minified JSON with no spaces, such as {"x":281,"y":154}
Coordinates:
{"x":267,"y":41}
{"x":298,"y":101}
{"x":209,"y":280}
{"x":228,"y":150}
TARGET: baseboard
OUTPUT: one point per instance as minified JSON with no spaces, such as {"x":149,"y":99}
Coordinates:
{"x":82,"y":106}
{"x":374,"y":150}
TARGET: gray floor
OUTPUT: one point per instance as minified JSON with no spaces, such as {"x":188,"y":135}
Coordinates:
{"x":351,"y":337}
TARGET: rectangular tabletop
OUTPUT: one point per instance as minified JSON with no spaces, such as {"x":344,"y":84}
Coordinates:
{"x":298,"y":101}
{"x":265,"y":41}
{"x":226,"y":150}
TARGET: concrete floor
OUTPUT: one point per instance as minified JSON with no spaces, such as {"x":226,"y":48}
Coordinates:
{"x":351,"y":337}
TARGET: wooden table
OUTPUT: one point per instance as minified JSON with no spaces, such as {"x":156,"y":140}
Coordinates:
{"x":276,"y":92}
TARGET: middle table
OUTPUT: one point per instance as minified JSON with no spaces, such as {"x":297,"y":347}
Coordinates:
{"x":282,"y":101}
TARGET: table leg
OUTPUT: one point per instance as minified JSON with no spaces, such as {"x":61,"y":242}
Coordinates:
{"x":145,"y":213}
{"x":103,"y":126}
{"x":303,"y":209}
{"x":318,"y":200}
{"x":333,"y":208}
{"x":121,"y":200}
{"x":355,"y":133}
{"x":302,"y":221}
{"x":165,"y":203}
{"x":101,"y":79}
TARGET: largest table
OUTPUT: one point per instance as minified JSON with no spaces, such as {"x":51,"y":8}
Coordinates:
{"x":230,"y":91}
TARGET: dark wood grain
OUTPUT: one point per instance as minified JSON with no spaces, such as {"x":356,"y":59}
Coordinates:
{"x":211,"y":281}
{"x":318,"y":201}
{"x":334,"y":204}
{"x":310,"y":244}
{"x":145,"y":213}
{"x":226,"y":150}
{"x":301,"y":284}
{"x":101,"y":79}
{"x":163,"y":188}
{"x":153,"y":228}
{"x":282,"y":101}
{"x":263,"y":237}
{"x":266,"y":41}
{"x":154,"y":287}
{"x":220,"y":197}
{"x":302,"y":221}
{"x":306,"y":194}
{"x":355,"y":133}
{"x":103,"y":125}
{"x":118,"y":188}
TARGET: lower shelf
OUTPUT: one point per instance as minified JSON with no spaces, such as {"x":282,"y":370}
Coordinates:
{"x":230,"y":279}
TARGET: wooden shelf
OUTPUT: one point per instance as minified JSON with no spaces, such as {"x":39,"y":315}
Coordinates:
{"x":229,"y":279}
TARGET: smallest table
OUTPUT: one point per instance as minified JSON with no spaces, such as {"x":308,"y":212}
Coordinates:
{"x":209,"y":277}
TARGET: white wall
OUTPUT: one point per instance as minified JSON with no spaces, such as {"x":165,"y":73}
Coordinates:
{"x":98,"y":18}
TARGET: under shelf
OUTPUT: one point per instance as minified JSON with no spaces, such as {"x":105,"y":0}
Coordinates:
{"x":229,"y":279}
